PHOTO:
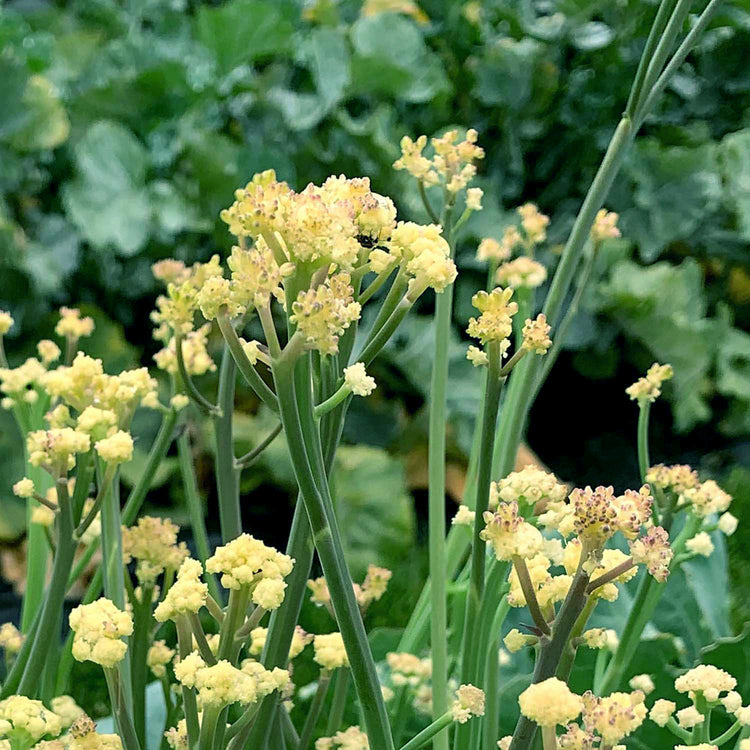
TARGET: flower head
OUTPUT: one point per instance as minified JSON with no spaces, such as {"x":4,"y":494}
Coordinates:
{"x":648,"y":388}
{"x":72,"y":326}
{"x":329,"y":651}
{"x":246,"y":561}
{"x":549,"y":703}
{"x":534,"y":222}
{"x":706,"y":679}
{"x":654,"y":551}
{"x":536,"y":335}
{"x":496,"y":320}
{"x":521,"y":272}
{"x":187,"y":594}
{"x":26,"y":721}
{"x":98,"y":629}
{"x":605,"y":226}
{"x":469,"y":702}
{"x":358,"y":381}
{"x":509,"y":534}
{"x":614,"y":716}
{"x":158,"y":656}
{"x":153,"y":543}
{"x":324,"y":313}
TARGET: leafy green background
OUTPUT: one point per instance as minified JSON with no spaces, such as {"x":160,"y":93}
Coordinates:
{"x":125,"y":128}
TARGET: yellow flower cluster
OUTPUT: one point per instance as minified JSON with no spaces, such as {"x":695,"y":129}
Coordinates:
{"x":194,"y":353}
{"x":605,"y":226}
{"x":550,"y":703}
{"x":98,"y":628}
{"x":55,"y":449}
{"x":529,"y":486}
{"x":358,"y":381}
{"x":496,"y":320}
{"x":319,"y":226}
{"x":72,"y":326}
{"x":187,"y":594}
{"x":407,"y":669}
{"x":469,"y":702}
{"x":26,"y":721}
{"x":153,"y":543}
{"x":523,"y":272}
{"x":706,"y":679}
{"x":648,"y":388}
{"x":509,"y":534}
{"x":18,"y":383}
{"x":218,"y":685}
{"x":536,"y":335}
{"x":48,"y":351}
{"x":246,"y":561}
{"x":599,"y":514}
{"x":614,"y":716}
{"x":158,"y":656}
{"x":452,"y":163}
{"x":11,"y":638}
{"x":329,"y":651}
{"x":115,"y":449}
{"x":653,"y":551}
{"x":534,"y":223}
{"x":6,"y":322}
{"x":324,"y":313}
{"x":352,"y":738}
{"x":490,"y":249}
{"x":300,"y":640}
{"x":706,"y":498}
{"x":85,"y":383}
{"x":678,"y":478}
{"x":82,"y":736}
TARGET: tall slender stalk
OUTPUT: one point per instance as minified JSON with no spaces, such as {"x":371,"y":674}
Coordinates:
{"x":335,"y":570}
{"x":491,"y":404}
{"x":45,"y":637}
{"x":195,"y":509}
{"x":227,"y":479}
{"x":436,"y":500}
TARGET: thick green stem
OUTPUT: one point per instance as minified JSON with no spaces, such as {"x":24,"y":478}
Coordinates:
{"x":436,"y":500}
{"x":227,"y":478}
{"x":139,"y":644}
{"x":244,"y":365}
{"x":470,"y":656}
{"x":492,"y":682}
{"x":313,"y":713}
{"x":37,"y":553}
{"x":437,"y":726}
{"x":490,"y":404}
{"x":209,"y":720}
{"x":644,"y":461}
{"x":189,"y":702}
{"x":123,"y":720}
{"x":45,"y":637}
{"x":552,"y":650}
{"x":331,"y":554}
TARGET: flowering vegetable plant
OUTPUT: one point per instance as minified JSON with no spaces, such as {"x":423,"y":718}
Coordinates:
{"x":219,"y":631}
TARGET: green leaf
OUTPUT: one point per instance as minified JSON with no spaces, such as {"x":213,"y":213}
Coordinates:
{"x":734,"y":159}
{"x":373,"y":508}
{"x":108,"y":200}
{"x":54,"y":253}
{"x":733,"y":364}
{"x":392,"y":58}
{"x":663,"y":307}
{"x":242,"y":31}
{"x":673,"y":190}
{"x":46,"y":123}
{"x":592,"y":36}
{"x":327,"y":53}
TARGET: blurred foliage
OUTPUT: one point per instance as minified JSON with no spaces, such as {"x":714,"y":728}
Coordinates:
{"x":125,"y":128}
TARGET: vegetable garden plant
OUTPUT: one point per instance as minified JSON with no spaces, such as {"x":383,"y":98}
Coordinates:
{"x":527,"y":563}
